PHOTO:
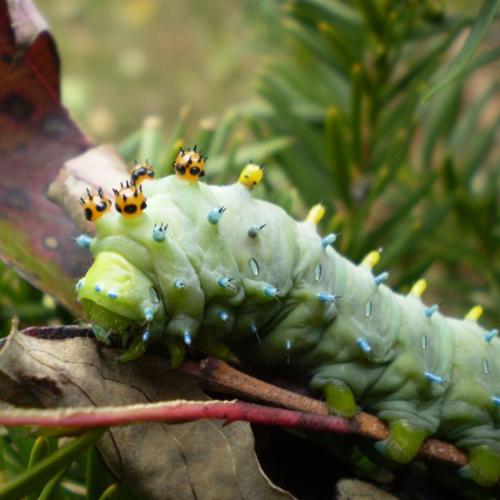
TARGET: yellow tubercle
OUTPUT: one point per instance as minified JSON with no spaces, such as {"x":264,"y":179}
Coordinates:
{"x":418,"y":288}
{"x":372,"y":259}
{"x":251,"y":175}
{"x":316,"y":214}
{"x":475,"y":313}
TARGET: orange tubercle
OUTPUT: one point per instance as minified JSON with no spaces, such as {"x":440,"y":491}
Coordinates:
{"x":189,"y":165}
{"x":95,"y":205}
{"x":141,"y":172}
{"x":130,"y":201}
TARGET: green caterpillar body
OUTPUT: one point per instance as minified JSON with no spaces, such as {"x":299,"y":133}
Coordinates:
{"x":213,"y":267}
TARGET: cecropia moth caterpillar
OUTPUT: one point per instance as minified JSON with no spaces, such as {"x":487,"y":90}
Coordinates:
{"x":183,"y":263}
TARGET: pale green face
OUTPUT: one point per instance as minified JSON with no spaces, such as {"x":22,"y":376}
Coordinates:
{"x":115,"y":294}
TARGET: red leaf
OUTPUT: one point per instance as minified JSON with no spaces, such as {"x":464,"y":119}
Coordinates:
{"x":37,"y":136}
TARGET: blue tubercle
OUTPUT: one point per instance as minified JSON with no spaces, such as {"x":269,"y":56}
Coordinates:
{"x":84,"y":241}
{"x":328,"y":298}
{"x":253,"y":231}
{"x":112,"y":295}
{"x":215,"y":214}
{"x":79,"y":284}
{"x":328,"y":240}
{"x":431,"y":377}
{"x":148,"y":314}
{"x":489,"y":336}
{"x":223,"y":316}
{"x":380,"y":278}
{"x":187,"y":338}
{"x":288,"y":344}
{"x":178,"y":283}
{"x":159,"y":232}
{"x":270,"y":291}
{"x":364,"y":345}
{"x":496,"y":400}
{"x":224,"y":282}
{"x":253,"y":329}
{"x":429,"y":311}
{"x":146,"y":336}
{"x":98,"y":288}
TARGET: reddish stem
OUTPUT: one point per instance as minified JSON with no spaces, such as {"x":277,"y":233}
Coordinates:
{"x":183,"y":411}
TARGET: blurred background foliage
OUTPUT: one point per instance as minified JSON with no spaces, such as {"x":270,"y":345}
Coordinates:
{"x":131,"y":58}
{"x":333,"y":96}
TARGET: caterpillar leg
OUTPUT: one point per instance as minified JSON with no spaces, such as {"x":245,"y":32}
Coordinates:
{"x":176,"y":350}
{"x":340,"y":399}
{"x":135,"y":351}
{"x":484,"y":466}
{"x":215,"y":348}
{"x":403,"y":442}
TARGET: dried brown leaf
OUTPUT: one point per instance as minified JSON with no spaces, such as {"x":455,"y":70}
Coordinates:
{"x":202,"y":459}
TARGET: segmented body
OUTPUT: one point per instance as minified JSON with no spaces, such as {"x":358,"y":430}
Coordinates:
{"x":213,"y":267}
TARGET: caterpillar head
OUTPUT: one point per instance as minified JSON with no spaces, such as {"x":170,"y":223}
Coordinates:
{"x":118,"y":296}
{"x":130,"y":201}
{"x":95,"y":205}
{"x":189,"y":165}
{"x":141,"y":172}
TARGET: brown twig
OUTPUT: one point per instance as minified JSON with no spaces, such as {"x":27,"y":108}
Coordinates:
{"x":217,"y":375}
